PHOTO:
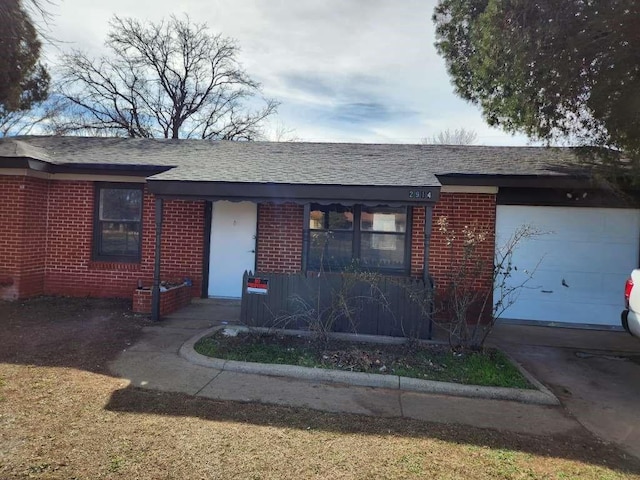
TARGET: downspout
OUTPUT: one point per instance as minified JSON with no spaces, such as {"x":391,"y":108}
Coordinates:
{"x":155,"y":299}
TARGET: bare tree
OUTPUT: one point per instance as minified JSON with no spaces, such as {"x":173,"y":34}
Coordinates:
{"x":459,"y":136}
{"x":40,"y":117}
{"x":172,"y":79}
{"x":278,"y":132}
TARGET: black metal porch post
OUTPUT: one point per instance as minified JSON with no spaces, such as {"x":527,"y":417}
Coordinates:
{"x":428,"y":220}
{"x":428,"y":224}
{"x":305,"y":238}
{"x":155,"y":299}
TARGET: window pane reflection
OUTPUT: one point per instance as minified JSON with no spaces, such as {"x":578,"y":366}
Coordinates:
{"x":120,"y":238}
{"x":383,"y":219}
{"x":380,"y":250}
{"x":333,"y":250}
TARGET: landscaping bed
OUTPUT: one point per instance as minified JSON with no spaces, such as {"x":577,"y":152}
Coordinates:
{"x":426,"y":361}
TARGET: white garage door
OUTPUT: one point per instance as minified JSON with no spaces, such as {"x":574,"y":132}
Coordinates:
{"x":582,"y":262}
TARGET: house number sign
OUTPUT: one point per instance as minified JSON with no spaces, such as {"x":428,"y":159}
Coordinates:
{"x":419,"y":194}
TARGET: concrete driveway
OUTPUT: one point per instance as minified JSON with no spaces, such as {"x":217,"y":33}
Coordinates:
{"x":595,"y":374}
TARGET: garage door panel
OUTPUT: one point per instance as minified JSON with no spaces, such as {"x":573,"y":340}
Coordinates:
{"x":611,"y":285}
{"x":567,"y":222}
{"x":571,"y":313}
{"x":549,"y":284}
{"x":562,"y":224}
{"x":622,"y":226}
{"x":592,"y":250}
{"x":584,"y":256}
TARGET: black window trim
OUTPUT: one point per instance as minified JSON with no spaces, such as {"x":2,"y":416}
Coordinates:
{"x":356,"y":240}
{"x":95,"y":248}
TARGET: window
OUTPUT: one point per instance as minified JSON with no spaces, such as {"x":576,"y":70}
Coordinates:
{"x":118,"y":223}
{"x":374,"y":238}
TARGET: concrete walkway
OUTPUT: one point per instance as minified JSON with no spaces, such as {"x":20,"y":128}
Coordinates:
{"x":154,"y":363}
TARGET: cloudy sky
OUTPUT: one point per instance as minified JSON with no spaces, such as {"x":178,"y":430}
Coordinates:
{"x":343,"y":70}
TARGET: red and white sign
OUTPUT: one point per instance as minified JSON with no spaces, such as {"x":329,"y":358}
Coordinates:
{"x":258,"y":285}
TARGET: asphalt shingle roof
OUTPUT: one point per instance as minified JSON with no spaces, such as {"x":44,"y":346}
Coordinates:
{"x":295,"y":163}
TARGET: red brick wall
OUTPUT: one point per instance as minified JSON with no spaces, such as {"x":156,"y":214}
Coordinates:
{"x":70,"y":270}
{"x":70,"y":233}
{"x":35,"y":220}
{"x":279,"y":247}
{"x":171,"y":300}
{"x":46,"y":234}
{"x":476,"y":210}
{"x":417,"y":241}
{"x":182,"y":242}
{"x":23,"y":221}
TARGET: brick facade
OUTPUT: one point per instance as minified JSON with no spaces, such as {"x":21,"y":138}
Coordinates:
{"x":279,"y":246}
{"x":417,"y":241}
{"x":280,"y":235}
{"x":475,"y":210}
{"x":46,"y":235}
{"x":478,"y":213}
{"x":23,"y":221}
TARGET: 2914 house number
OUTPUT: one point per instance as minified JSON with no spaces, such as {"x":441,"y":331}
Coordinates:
{"x":417,"y":194}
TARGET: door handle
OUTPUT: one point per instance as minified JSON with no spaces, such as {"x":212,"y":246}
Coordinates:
{"x":546,"y":291}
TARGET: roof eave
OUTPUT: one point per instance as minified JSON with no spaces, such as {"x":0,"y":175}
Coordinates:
{"x":25,"y":163}
{"x":111,"y":169}
{"x":517,"y":181}
{"x":298,"y":193}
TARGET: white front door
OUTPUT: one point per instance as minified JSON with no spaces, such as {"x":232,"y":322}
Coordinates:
{"x":233,"y":245}
{"x":579,"y":266}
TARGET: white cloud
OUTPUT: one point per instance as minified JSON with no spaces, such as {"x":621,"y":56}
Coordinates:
{"x":344,"y":70}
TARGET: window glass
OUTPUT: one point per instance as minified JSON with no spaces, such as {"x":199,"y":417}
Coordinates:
{"x":118,"y":223}
{"x":316,"y":220}
{"x":333,"y":250}
{"x":383,"y":219}
{"x":120,"y":238}
{"x":372,"y":237}
{"x":120,"y":203}
{"x":331,"y":217}
{"x":382,"y":251}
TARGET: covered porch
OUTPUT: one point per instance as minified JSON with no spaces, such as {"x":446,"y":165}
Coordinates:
{"x":295,"y":229}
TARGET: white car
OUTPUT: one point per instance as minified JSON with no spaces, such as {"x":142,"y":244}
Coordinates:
{"x":631,"y":315}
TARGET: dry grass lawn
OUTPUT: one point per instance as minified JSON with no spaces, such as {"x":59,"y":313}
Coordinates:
{"x":62,"y":416}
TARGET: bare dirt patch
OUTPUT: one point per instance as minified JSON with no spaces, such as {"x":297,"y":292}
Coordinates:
{"x":63,"y":417}
{"x":59,"y":331}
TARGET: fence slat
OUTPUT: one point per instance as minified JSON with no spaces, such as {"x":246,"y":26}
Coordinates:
{"x":297,"y":301}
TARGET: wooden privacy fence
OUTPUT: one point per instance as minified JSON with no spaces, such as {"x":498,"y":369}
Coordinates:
{"x":341,"y":302}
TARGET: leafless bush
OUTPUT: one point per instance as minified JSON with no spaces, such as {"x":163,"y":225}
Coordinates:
{"x":472,"y":309}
